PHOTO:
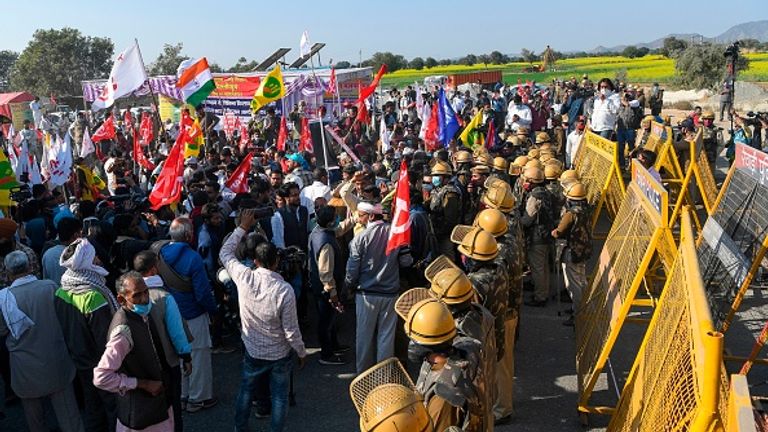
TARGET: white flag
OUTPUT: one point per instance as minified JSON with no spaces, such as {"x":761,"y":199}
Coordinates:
{"x":87,"y":146}
{"x":59,"y":161}
{"x":305,"y":47}
{"x":34,"y":171}
{"x":128,"y":74}
{"x":11,"y":133}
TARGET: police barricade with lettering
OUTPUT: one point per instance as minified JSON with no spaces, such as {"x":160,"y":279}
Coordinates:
{"x":638,"y":235}
{"x":597,"y":163}
{"x":676,"y":380}
{"x":731,"y":249}
{"x":698,"y":181}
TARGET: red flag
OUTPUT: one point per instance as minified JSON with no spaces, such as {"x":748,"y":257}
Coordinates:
{"x":432,"y":130}
{"x":141,"y":158}
{"x":305,"y":144}
{"x":282,"y":135}
{"x":362,"y":112}
{"x":105,"y":131}
{"x":238,"y":181}
{"x":167,"y":190}
{"x":128,"y":119}
{"x":146,"y":132}
{"x":490,"y":140}
{"x":400,"y":230}
{"x":368,"y":91}
{"x":332,"y":82}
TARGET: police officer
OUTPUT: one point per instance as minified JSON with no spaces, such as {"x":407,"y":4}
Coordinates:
{"x":452,"y":286}
{"x":479,"y":250}
{"x":516,"y":168}
{"x":523,"y":135}
{"x":574,"y":243}
{"x":709,"y":137}
{"x":537,"y":221}
{"x":510,"y":257}
{"x":499,"y":168}
{"x":387,"y":401}
{"x":462,"y":160}
{"x":463,"y":165}
{"x":552,"y":173}
{"x":444,"y":207}
{"x":542,"y":138}
{"x":451,"y":364}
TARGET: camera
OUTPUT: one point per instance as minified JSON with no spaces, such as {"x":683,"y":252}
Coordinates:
{"x":21,"y":194}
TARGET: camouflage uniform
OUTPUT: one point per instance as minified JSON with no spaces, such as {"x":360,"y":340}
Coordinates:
{"x":451,"y":391}
{"x":490,"y":282}
{"x":477,"y":322}
{"x":445,"y":213}
{"x":538,"y":221}
{"x":558,"y":198}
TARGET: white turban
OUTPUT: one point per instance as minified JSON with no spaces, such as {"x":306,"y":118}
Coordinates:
{"x":83,"y":257}
{"x":369,"y":208}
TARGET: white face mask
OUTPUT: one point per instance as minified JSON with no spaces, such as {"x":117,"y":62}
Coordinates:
{"x":605,"y":91}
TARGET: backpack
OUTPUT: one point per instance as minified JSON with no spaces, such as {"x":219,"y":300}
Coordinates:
{"x":170,"y":277}
{"x":579,"y":236}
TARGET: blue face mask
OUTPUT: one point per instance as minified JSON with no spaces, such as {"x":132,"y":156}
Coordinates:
{"x":142,"y":310}
{"x":437,"y":181}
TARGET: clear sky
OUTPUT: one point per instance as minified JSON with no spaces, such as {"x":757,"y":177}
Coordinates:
{"x":225,"y":30}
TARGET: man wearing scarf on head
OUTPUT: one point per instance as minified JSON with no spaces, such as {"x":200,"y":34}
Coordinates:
{"x":84,"y":306}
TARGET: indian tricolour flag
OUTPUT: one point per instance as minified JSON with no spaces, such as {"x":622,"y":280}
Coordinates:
{"x":195,"y":80}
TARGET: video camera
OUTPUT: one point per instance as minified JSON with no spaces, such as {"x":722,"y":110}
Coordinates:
{"x":21,"y":194}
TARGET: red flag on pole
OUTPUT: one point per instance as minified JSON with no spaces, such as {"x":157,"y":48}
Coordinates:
{"x":400,"y":230}
{"x":282,"y":135}
{"x":431,"y":132}
{"x":105,"y":131}
{"x":167,"y":190}
{"x":128,"y":119}
{"x":305,"y":144}
{"x":146,"y":132}
{"x":368,"y":91}
{"x":490,"y":140}
{"x":244,"y":138}
{"x":238,"y":181}
{"x":141,"y":158}
{"x":362,"y":112}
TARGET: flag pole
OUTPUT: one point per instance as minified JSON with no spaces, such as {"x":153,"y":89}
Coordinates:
{"x":154,"y":97}
{"x":322,"y":128}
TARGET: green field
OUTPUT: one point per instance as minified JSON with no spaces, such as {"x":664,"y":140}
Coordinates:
{"x":651,"y":68}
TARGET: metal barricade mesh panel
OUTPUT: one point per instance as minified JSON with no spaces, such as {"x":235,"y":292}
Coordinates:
{"x":707,"y":181}
{"x":664,"y":390}
{"x":627,"y":243}
{"x":743,"y":216}
{"x":595,"y":166}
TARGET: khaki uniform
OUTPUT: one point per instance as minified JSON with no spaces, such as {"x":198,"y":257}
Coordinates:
{"x":490,"y":283}
{"x":537,"y":221}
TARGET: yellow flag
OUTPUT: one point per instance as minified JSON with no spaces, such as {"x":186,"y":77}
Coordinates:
{"x":272,"y":88}
{"x":470,"y":136}
{"x":196,"y":140}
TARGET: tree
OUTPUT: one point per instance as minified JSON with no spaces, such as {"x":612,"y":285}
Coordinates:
{"x":215,"y":68}
{"x":446,"y":62}
{"x":469,"y":60}
{"x":7,"y":60}
{"x":167,"y":63}
{"x":672,"y":46}
{"x":56,"y":61}
{"x":497,"y":57}
{"x":703,"y":66}
{"x":417,"y":63}
{"x":631,"y":52}
{"x":528,"y":55}
{"x":243,"y":65}
{"x":393,"y":61}
{"x":484,"y":59}
{"x":430,"y":62}
{"x":343,"y":65}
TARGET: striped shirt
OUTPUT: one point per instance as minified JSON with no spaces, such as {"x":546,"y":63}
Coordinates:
{"x":270,"y":327}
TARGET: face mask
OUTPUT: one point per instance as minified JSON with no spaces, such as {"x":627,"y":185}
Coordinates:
{"x":142,"y":310}
{"x":605,"y":91}
{"x":437,"y":181}
{"x":426,"y":186}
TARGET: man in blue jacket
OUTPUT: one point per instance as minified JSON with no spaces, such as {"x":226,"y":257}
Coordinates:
{"x":183,"y":272}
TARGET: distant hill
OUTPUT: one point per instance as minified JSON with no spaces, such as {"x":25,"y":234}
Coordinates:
{"x":750,"y":30}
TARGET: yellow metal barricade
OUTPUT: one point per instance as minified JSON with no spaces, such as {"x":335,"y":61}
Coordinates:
{"x":698,"y":177}
{"x":676,"y":380}
{"x":740,"y":416}
{"x":638,"y":234}
{"x":597,"y":163}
